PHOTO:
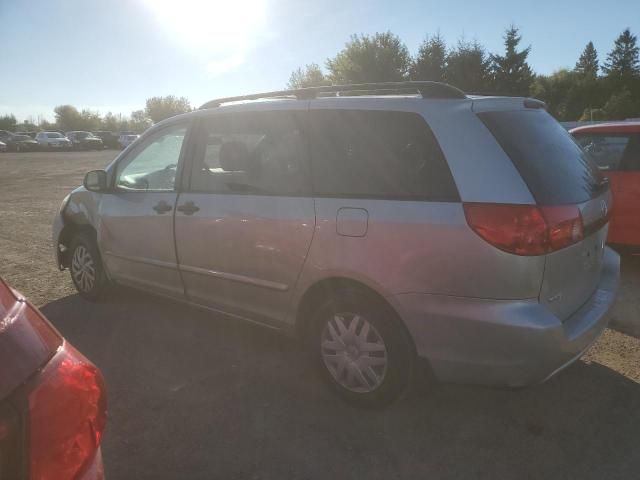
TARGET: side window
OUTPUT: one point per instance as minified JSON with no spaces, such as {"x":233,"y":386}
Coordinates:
{"x":613,"y":151}
{"x":259,"y":152}
{"x":378,"y":154}
{"x":152,"y":166}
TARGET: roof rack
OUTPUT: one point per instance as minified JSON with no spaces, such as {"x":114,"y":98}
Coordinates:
{"x":425,"y":88}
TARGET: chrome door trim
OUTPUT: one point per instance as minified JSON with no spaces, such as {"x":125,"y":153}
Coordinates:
{"x":148,"y":261}
{"x":258,"y":282}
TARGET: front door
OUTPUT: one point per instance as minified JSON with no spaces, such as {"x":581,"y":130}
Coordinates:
{"x":245,"y":224}
{"x":135,"y":232}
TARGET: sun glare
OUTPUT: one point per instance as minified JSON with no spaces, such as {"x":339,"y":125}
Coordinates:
{"x":220,"y":31}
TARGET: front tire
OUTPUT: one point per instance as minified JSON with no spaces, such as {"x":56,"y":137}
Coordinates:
{"x":87,"y":271}
{"x":361,"y":349}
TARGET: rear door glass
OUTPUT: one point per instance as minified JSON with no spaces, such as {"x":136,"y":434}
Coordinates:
{"x":377,"y":154}
{"x":554,"y":167}
{"x":612,"y":151}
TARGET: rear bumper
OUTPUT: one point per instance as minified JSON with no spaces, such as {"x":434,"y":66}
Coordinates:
{"x":505,"y":342}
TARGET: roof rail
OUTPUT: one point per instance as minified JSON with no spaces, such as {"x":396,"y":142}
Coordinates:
{"x":425,"y":88}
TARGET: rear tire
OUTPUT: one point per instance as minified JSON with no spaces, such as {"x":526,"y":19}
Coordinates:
{"x":361,"y":349}
{"x":87,"y":271}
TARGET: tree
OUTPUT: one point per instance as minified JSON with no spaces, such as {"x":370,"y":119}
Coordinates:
{"x":622,"y":105}
{"x":159,"y":108}
{"x":587,"y":64}
{"x":109,"y":122}
{"x":622,"y":62}
{"x":309,"y":76}
{"x":8,"y":122}
{"x":378,"y":58}
{"x":68,"y":118}
{"x":26,"y":126}
{"x":512,"y":74}
{"x":89,"y":120}
{"x":431,"y":61}
{"x":139,"y":121}
{"x":468,"y":67}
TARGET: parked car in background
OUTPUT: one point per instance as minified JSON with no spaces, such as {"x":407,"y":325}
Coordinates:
{"x":53,"y":141}
{"x":31,"y":134}
{"x":53,"y":401}
{"x":22,"y":143}
{"x":364,"y":225}
{"x":615,"y":147}
{"x":84,"y":140}
{"x":5,"y":135}
{"x":127,"y":139}
{"x":3,"y":147}
{"x":109,"y":139}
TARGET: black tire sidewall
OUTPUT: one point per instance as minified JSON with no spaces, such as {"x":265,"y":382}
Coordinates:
{"x":400,"y":350}
{"x":100,"y":285}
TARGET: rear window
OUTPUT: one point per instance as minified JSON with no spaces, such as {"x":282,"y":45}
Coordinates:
{"x":554,"y":167}
{"x":612,"y":151}
{"x":377,"y":154}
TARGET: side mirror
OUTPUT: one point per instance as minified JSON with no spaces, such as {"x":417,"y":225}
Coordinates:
{"x":96,"y":181}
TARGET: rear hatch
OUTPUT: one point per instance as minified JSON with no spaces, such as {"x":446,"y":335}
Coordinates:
{"x":559,"y":175}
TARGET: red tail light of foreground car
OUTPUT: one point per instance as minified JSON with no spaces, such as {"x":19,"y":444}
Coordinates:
{"x":52,"y":400}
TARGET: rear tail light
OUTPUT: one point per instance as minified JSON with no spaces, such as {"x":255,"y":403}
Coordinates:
{"x":67,"y":416}
{"x":526,"y":229}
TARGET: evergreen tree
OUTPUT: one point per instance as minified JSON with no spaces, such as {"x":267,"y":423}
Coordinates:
{"x":622,"y":62}
{"x":512,"y":74}
{"x":587,"y":64}
{"x":468,"y":67}
{"x":431,"y":61}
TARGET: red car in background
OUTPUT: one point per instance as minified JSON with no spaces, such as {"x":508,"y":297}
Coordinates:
{"x":52,"y":399}
{"x":616,"y":149}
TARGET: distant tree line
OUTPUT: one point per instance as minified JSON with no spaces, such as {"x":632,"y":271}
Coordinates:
{"x":68,"y":117}
{"x":590,"y":90}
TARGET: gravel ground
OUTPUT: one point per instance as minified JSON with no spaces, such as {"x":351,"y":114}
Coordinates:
{"x":193,"y":395}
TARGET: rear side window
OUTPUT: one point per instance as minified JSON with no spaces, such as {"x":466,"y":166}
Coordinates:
{"x":554,"y":167}
{"x":612,"y":151}
{"x":377,"y":154}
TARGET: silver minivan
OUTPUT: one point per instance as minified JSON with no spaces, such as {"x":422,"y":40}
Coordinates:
{"x":386,"y":228}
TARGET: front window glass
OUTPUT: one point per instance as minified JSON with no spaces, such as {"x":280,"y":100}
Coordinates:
{"x":153,"y":165}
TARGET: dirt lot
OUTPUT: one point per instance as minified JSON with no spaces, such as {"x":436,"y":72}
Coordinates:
{"x":195,"y":396}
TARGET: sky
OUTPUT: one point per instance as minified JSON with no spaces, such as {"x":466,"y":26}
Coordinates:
{"x":113,"y":55}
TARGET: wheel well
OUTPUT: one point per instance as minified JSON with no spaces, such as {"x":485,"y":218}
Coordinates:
{"x":324,"y":289}
{"x":69,"y":231}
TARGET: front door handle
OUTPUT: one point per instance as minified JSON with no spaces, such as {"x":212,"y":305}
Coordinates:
{"x":188,"y":208}
{"x":162,"y":207}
